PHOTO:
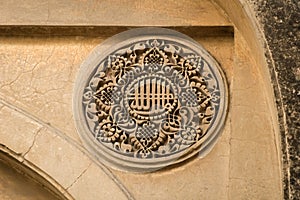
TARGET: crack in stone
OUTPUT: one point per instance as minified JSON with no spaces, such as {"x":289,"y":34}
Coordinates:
{"x":120,"y":185}
{"x":1,"y":106}
{"x":31,"y":71}
{"x":80,"y":175}
{"x":71,"y":141}
{"x":33,"y":142}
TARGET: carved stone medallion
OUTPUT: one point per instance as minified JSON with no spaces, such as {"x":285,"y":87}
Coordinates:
{"x":148,"y":98}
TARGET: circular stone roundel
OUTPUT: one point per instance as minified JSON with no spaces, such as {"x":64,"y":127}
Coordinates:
{"x":148,"y":98}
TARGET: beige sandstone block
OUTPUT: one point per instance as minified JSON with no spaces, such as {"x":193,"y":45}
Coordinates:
{"x":245,"y":189}
{"x":37,"y":76}
{"x":251,"y":125}
{"x":254,"y":161}
{"x":38,"y":73}
{"x":112,"y":12}
{"x":205,"y":178}
{"x":95,"y":184}
{"x":245,"y":73}
{"x":57,"y":157}
{"x":252,"y":99}
{"x":17,"y":132}
{"x":254,"y":172}
{"x":25,"y":80}
{"x":28,"y":10}
{"x":248,"y":89}
{"x":222,"y":49}
{"x":254,"y":166}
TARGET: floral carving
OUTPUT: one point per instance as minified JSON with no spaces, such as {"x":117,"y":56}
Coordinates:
{"x":151,"y":99}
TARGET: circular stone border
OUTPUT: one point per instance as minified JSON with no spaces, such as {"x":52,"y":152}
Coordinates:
{"x":116,"y":160}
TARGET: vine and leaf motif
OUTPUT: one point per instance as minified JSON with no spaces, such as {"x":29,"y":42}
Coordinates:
{"x":152,"y":99}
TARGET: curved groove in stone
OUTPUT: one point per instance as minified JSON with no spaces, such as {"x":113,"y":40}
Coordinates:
{"x":29,"y":169}
{"x":245,"y":19}
{"x":68,"y":140}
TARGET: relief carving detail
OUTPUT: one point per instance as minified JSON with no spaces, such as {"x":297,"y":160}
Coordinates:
{"x":151,"y":99}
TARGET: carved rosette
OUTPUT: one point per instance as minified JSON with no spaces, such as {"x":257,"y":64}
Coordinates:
{"x":152,"y":99}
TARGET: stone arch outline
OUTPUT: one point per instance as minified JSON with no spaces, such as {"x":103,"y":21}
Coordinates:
{"x":56,"y":142}
{"x":261,"y":42}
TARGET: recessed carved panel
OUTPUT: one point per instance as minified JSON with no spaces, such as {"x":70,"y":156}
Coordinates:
{"x":149,"y":100}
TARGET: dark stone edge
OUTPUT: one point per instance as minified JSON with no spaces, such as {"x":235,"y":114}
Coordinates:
{"x":106,"y":31}
{"x":280,"y":21}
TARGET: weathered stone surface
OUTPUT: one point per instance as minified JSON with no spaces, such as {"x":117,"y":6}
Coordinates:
{"x":242,"y":189}
{"x":58,"y":158}
{"x":243,"y":77}
{"x":116,"y":12}
{"x":93,"y":183}
{"x":55,"y":155}
{"x":37,"y":76}
{"x":280,"y":21}
{"x":17,"y":132}
{"x":252,"y":178}
{"x":206,"y":178}
{"x":252,"y":154}
{"x":254,"y":159}
{"x":29,"y":76}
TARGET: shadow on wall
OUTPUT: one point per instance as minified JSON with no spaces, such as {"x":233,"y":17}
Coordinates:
{"x":16,"y":182}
